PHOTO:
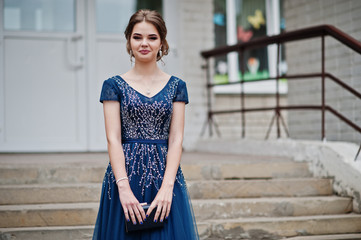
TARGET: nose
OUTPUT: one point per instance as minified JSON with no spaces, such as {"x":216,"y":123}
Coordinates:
{"x":144,"y":42}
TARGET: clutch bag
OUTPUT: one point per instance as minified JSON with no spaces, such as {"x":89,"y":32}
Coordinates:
{"x":147,"y":225}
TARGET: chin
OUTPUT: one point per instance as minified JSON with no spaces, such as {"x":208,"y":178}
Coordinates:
{"x":146,"y":59}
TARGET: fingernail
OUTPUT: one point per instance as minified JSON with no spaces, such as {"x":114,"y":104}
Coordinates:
{"x":146,"y":216}
{"x":134,"y":223}
{"x":128,"y":220}
{"x":161,"y":220}
{"x":166,"y":217}
{"x":141,"y":223}
{"x":155,"y":220}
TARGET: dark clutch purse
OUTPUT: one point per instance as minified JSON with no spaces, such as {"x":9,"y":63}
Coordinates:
{"x":147,"y":225}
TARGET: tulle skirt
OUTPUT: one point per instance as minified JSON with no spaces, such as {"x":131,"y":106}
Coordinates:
{"x":145,"y":177}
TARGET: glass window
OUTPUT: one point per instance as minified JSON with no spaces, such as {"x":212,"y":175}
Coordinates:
{"x":39,"y":15}
{"x":220,"y":28}
{"x":113,"y":15}
{"x":251,"y":23}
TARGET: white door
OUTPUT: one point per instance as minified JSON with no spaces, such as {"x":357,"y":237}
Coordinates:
{"x":54,"y":57}
{"x":42,"y":81}
{"x":108,"y":56}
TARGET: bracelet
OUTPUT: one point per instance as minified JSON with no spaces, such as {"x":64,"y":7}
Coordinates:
{"x":121,"y":179}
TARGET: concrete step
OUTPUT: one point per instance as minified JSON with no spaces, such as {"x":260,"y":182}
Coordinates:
{"x":217,"y":166}
{"x":90,"y":192}
{"x":49,"y":193}
{"x":270,"y":207}
{"x":278,"y":228}
{"x":356,"y":236}
{"x":200,"y":171}
{"x":90,"y":167}
{"x":47,"y":233}
{"x":85,"y":213}
{"x":66,"y":214}
{"x":46,"y":174}
{"x":340,"y":226}
{"x":259,"y":188}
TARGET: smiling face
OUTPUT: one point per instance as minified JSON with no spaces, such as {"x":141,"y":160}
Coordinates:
{"x":145,"y":42}
{"x":150,"y":22}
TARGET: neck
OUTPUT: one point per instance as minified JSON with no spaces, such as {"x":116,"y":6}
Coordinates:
{"x":146,"y":69}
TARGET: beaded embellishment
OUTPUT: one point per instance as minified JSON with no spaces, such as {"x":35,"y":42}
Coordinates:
{"x":146,"y":118}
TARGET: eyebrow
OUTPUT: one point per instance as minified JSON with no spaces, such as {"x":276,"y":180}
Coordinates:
{"x":150,"y":35}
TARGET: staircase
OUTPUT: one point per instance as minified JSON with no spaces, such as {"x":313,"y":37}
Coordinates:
{"x":55,"y":196}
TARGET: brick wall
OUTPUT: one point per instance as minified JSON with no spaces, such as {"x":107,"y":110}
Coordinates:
{"x":197,"y":34}
{"x":257,"y":123}
{"x":305,"y":56}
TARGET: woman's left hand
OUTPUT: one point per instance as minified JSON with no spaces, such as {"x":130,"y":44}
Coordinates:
{"x":162,"y":202}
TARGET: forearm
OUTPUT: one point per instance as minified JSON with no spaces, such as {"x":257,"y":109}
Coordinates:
{"x":117,"y":159}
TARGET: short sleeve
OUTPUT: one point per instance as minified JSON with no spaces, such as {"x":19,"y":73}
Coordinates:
{"x":181,"y":94}
{"x":108,"y":92}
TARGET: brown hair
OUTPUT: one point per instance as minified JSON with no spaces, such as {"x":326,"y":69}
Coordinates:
{"x":154,"y":18}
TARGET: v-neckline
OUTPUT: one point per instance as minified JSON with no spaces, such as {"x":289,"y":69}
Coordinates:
{"x":142,"y":93}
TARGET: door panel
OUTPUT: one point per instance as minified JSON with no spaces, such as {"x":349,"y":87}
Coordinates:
{"x":39,"y":95}
{"x":44,"y":107}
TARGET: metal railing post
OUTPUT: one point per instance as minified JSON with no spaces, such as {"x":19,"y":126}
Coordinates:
{"x":209,"y":98}
{"x":323,"y":87}
{"x":243,"y":117}
{"x":278,"y":92}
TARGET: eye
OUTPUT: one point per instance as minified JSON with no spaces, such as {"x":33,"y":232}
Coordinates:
{"x":153,"y":38}
{"x":136,"y":37}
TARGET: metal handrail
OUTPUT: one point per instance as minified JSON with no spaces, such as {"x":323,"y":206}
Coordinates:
{"x":301,"y":34}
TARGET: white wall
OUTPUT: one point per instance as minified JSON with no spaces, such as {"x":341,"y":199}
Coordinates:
{"x":196,"y":34}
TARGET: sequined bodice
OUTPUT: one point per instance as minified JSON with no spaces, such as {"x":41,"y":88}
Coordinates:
{"x":145,"y":124}
{"x":143,"y":117}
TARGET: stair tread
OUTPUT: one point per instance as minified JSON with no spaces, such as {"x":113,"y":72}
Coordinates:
{"x":83,"y":205}
{"x":264,"y":180}
{"x":285,"y":219}
{"x":49,"y":185}
{"x":91,"y":184}
{"x":238,"y":220}
{"x":329,"y":237}
{"x":49,"y":206}
{"x":46,"y":228}
{"x":271,"y":199}
{"x":101,"y":158}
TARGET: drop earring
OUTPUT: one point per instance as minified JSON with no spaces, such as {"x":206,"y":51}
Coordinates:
{"x":131,"y":56}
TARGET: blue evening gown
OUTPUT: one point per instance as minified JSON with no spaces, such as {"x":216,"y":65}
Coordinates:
{"x":145,"y":123}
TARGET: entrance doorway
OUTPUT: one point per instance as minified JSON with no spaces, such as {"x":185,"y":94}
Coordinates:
{"x":54,"y":57}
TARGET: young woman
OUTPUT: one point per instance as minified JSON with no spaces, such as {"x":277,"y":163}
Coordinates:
{"x":144,"y":122}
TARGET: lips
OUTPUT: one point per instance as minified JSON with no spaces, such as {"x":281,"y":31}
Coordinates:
{"x":144,"y":51}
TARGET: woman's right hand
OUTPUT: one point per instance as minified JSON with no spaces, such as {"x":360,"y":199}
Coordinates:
{"x":131,"y":206}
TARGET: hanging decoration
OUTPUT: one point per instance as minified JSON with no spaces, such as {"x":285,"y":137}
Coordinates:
{"x":257,"y":20}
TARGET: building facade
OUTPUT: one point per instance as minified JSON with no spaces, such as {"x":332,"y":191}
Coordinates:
{"x":55,"y":56}
{"x":305,"y":57}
